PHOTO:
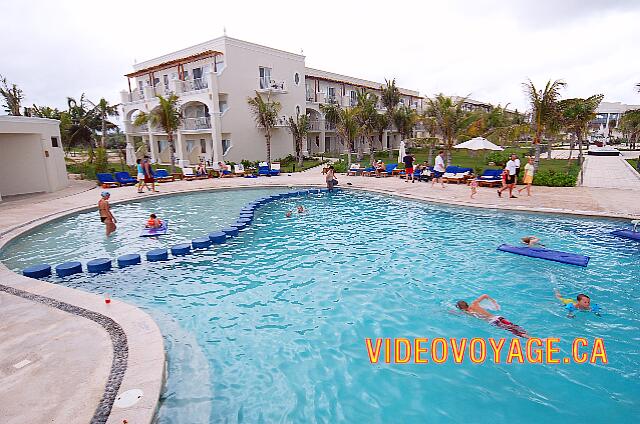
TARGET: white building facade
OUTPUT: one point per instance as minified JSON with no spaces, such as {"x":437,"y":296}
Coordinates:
{"x":214,"y":80}
{"x":32,"y":159}
{"x":608,"y":117}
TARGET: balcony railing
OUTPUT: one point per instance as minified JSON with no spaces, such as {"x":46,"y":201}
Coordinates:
{"x":191,"y":124}
{"x":136,"y":129}
{"x":281,"y":121}
{"x":270,"y":85}
{"x":195,"y":85}
{"x":321,"y":125}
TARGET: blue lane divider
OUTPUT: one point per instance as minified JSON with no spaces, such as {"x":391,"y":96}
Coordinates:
{"x":201,"y":242}
{"x":246,"y":217}
{"x":128,"y":260}
{"x":99,"y":265}
{"x":181,"y":249}
{"x":37,"y":271}
{"x":218,"y":237}
{"x":68,"y":268}
{"x":156,"y":255}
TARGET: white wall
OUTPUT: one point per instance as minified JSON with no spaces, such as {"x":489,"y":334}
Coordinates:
{"x":29,"y":163}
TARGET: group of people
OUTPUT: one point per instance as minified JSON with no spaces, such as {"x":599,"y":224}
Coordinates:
{"x":511,"y":173}
{"x":145,"y":175}
{"x":107,"y":218}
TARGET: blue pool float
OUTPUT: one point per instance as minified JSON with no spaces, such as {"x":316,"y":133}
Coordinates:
{"x":550,"y":255}
{"x":151,"y":232}
{"x":628,"y":234}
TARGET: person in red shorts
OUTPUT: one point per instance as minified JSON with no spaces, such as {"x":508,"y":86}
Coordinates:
{"x":408,"y":167}
{"x":478,"y":311}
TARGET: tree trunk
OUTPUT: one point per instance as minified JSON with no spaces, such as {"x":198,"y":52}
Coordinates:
{"x":549,"y":149}
{"x":172,"y":147}
{"x":371,"y":152}
{"x":390,"y":149}
{"x":580,"y":158}
{"x":267,"y":135}
{"x":360,"y":154}
{"x":571,"y":146}
{"x":430,"y":158}
{"x":536,"y":160}
{"x":299,"y":152}
{"x":103,"y":141}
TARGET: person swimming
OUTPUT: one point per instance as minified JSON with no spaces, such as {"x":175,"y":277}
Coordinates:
{"x":300,"y":209}
{"x":583,"y":303}
{"x":531,"y":241}
{"x":288,"y":214}
{"x":478,"y":311}
{"x":153,"y":222}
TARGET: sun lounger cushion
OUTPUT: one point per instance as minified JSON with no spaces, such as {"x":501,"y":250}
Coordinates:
{"x":550,"y":255}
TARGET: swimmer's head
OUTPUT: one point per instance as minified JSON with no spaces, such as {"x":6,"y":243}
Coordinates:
{"x":138,"y":161}
{"x":462,"y":305}
{"x":105,"y":194}
{"x":584,"y":301}
{"x":153,"y":215}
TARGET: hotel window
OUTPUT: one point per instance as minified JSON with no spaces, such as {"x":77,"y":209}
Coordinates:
{"x":353,"y":97}
{"x":203,"y":145}
{"x":219,"y":63}
{"x":265,"y":77}
{"x":296,"y":78}
{"x":226,"y":145}
{"x":331,"y":94}
{"x":190,"y":145}
{"x":165,"y":79}
{"x":54,"y":142}
{"x":297,"y":110}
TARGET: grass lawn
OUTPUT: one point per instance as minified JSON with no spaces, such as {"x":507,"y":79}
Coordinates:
{"x":306,"y":164}
{"x":635,"y":163}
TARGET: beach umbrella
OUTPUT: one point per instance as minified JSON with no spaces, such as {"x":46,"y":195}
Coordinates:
{"x":402,"y":152}
{"x":478,"y":143}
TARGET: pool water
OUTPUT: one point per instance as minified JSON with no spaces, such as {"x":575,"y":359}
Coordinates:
{"x":271,"y":326}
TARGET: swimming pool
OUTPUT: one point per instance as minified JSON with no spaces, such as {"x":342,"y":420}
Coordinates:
{"x":270,"y":327}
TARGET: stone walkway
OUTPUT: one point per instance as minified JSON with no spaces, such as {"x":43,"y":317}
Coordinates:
{"x":68,"y":355}
{"x":610,"y":172}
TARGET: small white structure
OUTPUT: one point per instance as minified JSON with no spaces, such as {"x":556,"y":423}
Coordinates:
{"x":478,"y":143}
{"x":32,"y":158}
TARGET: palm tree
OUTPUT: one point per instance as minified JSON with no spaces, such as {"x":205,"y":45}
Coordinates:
{"x":576,"y":115}
{"x":366,"y":116}
{"x":405,"y":119}
{"x":390,"y":98}
{"x":347,"y":126}
{"x":166,"y":116}
{"x":12,"y":97}
{"x":630,"y":124}
{"x":265,"y":113}
{"x":449,"y":120}
{"x":544,"y":104}
{"x":381,"y":124}
{"x":82,"y":123}
{"x":299,"y":128}
{"x":104,"y":110}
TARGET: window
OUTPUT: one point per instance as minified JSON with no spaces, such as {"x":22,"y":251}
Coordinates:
{"x":296,"y":78}
{"x":197,"y":73}
{"x":331,"y":94}
{"x":140,"y":85}
{"x":203,"y":145}
{"x":162,"y":145}
{"x":186,"y":74}
{"x":54,"y":142}
{"x":265,"y":77}
{"x":223,"y":106}
{"x":165,"y":79}
{"x":353,"y":97}
{"x":190,"y":145}
{"x":226,"y":145}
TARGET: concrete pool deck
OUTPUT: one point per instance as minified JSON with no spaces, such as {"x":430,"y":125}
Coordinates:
{"x":60,"y":351}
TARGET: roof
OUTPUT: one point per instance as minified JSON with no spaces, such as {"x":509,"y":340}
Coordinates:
{"x":343,"y":79}
{"x":174,"y":62}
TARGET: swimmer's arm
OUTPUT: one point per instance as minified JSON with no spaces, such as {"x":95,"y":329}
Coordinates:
{"x":558,"y":295}
{"x":480,"y":299}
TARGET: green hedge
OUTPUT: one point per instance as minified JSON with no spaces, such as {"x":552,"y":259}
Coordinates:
{"x":557,"y":178}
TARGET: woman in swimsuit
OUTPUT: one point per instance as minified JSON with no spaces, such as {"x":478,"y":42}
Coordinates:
{"x":105,"y":213}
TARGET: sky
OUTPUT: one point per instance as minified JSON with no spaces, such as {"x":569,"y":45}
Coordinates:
{"x":484,"y":49}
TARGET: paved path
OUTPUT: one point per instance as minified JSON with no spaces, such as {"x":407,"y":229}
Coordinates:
{"x":610,"y":172}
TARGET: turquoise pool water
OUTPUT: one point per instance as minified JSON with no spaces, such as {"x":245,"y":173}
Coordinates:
{"x":270,"y":327}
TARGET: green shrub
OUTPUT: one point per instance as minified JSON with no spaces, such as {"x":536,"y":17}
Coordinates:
{"x":499,"y":158}
{"x":101,"y":160}
{"x":552,"y":178}
{"x":340,"y":166}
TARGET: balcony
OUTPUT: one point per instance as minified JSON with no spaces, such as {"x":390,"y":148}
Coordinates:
{"x":195,"y":85}
{"x":131,"y":97}
{"x":281,"y":122}
{"x":129,"y":128}
{"x":321,"y":125}
{"x":195,"y":124}
{"x":268,"y":85}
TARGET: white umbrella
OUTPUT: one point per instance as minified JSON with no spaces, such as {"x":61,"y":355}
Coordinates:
{"x":402,"y":152}
{"x":478,"y":143}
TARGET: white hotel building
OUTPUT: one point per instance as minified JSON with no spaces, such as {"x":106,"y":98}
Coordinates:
{"x":213,"y":81}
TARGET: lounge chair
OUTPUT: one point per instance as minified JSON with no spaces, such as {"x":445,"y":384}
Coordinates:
{"x":388,"y":169}
{"x":263,"y":169}
{"x":125,"y":179}
{"x":238,"y":170}
{"x":107,"y":180}
{"x":490,"y":178}
{"x":367,"y":172}
{"x":190,"y":175}
{"x":354,"y":169}
{"x":162,"y":176}
{"x":275,"y":168}
{"x":456,"y":174}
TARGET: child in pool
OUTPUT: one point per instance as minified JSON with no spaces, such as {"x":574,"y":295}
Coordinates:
{"x":288,"y":214}
{"x":300,"y":209}
{"x":583,"y":303}
{"x":531,"y":241}
{"x":153,"y":221}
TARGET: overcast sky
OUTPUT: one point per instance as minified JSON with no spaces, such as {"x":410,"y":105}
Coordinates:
{"x":481,"y":48}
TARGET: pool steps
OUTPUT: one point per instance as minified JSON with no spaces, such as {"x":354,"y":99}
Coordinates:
{"x":98,"y":265}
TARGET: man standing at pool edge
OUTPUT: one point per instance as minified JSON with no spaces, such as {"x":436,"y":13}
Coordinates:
{"x":105,"y":213}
